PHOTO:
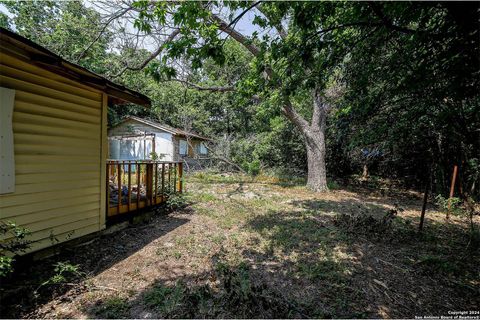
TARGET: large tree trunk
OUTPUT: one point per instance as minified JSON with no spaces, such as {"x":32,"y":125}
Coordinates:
{"x":317,"y":172}
{"x":314,"y":134}
{"x":315,"y":142}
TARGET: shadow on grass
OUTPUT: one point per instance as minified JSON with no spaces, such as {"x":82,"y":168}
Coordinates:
{"x":24,"y":292}
{"x":310,"y":245}
{"x":227,"y":291}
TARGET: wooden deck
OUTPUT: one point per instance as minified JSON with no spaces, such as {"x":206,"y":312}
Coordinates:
{"x":134,"y":185}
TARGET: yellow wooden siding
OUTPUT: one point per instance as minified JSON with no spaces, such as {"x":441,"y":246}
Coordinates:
{"x":57,"y":126}
{"x":103,"y":161}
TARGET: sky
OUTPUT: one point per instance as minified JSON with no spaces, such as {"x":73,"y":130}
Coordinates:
{"x":4,"y":10}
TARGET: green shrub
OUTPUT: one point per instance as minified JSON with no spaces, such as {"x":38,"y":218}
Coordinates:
{"x":14,"y":244}
{"x":333,"y":185}
{"x":236,"y":295}
{"x":176,"y":201}
{"x":452,"y":205}
{"x":64,"y":272}
{"x":253,"y":167}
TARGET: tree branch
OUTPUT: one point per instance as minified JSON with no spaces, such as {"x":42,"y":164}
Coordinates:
{"x":234,"y":21}
{"x":116,"y":16}
{"x":288,"y":108}
{"x":387,"y":22}
{"x":201,"y":88}
{"x":151,"y":57}
{"x":278,"y":26}
{"x":292,"y":114}
{"x":225,"y":27}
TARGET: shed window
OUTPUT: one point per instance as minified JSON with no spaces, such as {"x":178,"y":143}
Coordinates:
{"x":203,"y":148}
{"x":131,"y":148}
{"x":182,"y":147}
{"x":7,"y":167}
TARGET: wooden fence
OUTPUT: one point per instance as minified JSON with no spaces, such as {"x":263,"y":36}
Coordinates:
{"x":133,"y":185}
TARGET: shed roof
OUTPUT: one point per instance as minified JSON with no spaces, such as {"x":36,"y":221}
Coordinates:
{"x":164,"y":127}
{"x":38,"y":55}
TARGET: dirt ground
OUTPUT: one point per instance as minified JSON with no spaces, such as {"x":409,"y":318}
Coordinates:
{"x":263,"y":249}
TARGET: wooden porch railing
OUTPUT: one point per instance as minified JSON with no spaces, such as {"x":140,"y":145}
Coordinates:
{"x":133,"y":185}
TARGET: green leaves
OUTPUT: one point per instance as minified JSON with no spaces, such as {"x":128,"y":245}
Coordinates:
{"x":160,"y":72}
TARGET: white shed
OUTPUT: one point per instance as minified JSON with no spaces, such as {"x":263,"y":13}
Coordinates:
{"x":140,"y":139}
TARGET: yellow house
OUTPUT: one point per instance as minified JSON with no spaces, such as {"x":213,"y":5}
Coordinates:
{"x":53,"y":142}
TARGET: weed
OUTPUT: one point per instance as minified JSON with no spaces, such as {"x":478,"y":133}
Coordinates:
{"x":64,"y":272}
{"x":15,"y":242}
{"x":436,"y":264}
{"x":367,"y":224}
{"x":325,"y":269}
{"x":218,"y":238}
{"x":205,"y":197}
{"x":333,"y":185}
{"x":452,"y":205}
{"x":166,"y":300}
{"x":176,"y":201}
{"x":237,"y":297}
{"x":112,"y":308}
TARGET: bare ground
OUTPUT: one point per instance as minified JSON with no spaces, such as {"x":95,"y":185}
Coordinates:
{"x":263,"y":249}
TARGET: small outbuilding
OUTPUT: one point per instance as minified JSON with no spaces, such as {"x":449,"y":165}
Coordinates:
{"x":141,"y":139}
{"x":53,"y":142}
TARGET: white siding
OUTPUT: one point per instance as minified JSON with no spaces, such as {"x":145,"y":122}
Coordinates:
{"x":164,"y":146}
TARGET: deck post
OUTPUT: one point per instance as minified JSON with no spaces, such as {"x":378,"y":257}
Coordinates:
{"x":169,"y":179}
{"x":163,"y":181}
{"x":149,"y":184}
{"x":156,"y":183}
{"x":129,"y":200}
{"x":107,"y":207}
{"x":180,"y":177}
{"x":119,"y":191}
{"x":138,"y":186}
{"x":175,"y":167}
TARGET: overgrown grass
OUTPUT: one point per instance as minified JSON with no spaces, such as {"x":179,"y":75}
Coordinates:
{"x":271,"y":177}
{"x":111,"y":308}
{"x":236,"y":295}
